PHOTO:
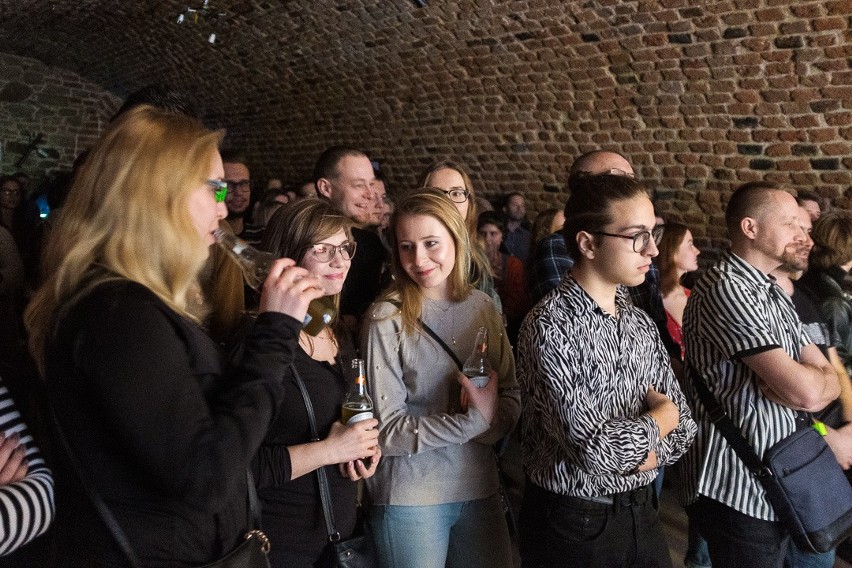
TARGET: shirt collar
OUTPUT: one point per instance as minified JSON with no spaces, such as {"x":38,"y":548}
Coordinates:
{"x":579,"y":302}
{"x":749,"y":272}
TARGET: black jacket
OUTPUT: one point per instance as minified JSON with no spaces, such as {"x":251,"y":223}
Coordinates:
{"x":835,"y":306}
{"x":163,"y":431}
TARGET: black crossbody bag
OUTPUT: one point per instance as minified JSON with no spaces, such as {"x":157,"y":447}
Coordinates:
{"x":358,"y":550}
{"x":803,"y":481}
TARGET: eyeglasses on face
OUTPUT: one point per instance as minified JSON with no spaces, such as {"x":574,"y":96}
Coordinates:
{"x":238,"y":184}
{"x":220,"y":189}
{"x":640,"y":239}
{"x":456,"y":194}
{"x":324,"y":252}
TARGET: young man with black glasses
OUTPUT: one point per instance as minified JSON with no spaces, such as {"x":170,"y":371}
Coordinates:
{"x":602,"y":407}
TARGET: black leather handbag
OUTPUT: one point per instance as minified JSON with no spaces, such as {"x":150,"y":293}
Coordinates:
{"x":357,"y":551}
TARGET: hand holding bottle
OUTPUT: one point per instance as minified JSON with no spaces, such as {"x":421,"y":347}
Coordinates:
{"x":354,"y":442}
{"x":483,"y":399}
{"x":257,"y":267}
{"x":289,"y":289}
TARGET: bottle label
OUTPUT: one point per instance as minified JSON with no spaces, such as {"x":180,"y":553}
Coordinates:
{"x":359,"y":417}
{"x":479,"y":380}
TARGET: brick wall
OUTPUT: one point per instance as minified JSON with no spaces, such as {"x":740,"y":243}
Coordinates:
{"x":700,"y":96}
{"x":67,"y":110}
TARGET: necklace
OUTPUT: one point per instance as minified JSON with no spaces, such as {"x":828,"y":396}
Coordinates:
{"x":435,"y":305}
{"x":307,"y":341}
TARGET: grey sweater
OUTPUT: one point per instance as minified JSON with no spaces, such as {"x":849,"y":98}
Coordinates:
{"x":432,"y":452}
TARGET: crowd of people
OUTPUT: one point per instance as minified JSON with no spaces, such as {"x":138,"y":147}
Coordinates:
{"x":170,"y":390}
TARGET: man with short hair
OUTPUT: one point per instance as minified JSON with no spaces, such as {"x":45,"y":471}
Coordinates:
{"x":517,"y":237}
{"x":239,"y":197}
{"x":840,"y":440}
{"x":602,"y":408}
{"x":745,"y":341}
{"x":344,"y":176}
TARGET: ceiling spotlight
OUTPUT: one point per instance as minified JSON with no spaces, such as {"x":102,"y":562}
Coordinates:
{"x":420,"y":3}
{"x":205,"y":13}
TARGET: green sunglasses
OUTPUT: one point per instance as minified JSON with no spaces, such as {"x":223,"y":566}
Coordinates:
{"x":220,"y":189}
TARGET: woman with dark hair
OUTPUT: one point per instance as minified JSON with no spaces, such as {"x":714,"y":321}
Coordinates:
{"x":435,"y":498}
{"x":508,"y":270}
{"x":319,"y":238}
{"x":678,"y":255}
{"x":161,"y":428}
{"x":830,"y":264}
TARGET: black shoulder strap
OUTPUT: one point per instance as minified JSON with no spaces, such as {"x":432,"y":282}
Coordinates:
{"x":726,"y":427}
{"x":325,"y":493}
{"x":96,"y":500}
{"x":442,"y":343}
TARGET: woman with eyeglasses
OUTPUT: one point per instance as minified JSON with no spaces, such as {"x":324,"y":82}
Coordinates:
{"x":435,"y":498}
{"x":319,"y":238}
{"x":161,"y":428}
{"x":452,"y":179}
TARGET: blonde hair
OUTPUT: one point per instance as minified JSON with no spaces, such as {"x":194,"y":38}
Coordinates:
{"x":295,"y":227}
{"x":127,"y":216}
{"x":404,"y":291}
{"x":480,"y":267}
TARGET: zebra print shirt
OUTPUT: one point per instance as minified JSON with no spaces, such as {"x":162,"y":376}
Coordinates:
{"x":585,"y":376}
{"x":26,"y":507}
{"x":735,"y":310}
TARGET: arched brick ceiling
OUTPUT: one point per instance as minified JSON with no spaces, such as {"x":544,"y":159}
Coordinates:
{"x":698,"y":95}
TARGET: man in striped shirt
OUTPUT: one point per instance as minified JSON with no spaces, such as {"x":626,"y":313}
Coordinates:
{"x":602,"y":407}
{"x":744,"y":338}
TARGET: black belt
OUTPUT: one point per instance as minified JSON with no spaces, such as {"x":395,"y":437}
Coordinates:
{"x":632,"y":498}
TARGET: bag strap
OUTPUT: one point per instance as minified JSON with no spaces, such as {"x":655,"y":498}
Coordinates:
{"x":726,"y":427}
{"x":95,"y":498}
{"x":442,"y":343}
{"x":325,"y":493}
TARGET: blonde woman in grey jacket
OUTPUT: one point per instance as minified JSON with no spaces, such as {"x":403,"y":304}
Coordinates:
{"x":436,"y":499}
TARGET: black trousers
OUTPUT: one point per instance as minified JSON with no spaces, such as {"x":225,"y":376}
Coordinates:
{"x":560,"y":531}
{"x":736,"y":540}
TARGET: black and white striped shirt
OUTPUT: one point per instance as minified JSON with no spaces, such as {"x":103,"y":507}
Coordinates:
{"x":26,"y":507}
{"x":585,"y":376}
{"x":736,"y":310}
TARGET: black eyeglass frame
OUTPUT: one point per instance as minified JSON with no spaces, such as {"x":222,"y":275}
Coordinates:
{"x":449,"y":192}
{"x":643,"y":237}
{"x":345,"y":250}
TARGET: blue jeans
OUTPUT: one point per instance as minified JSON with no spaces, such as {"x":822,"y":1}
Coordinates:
{"x":466,"y":534}
{"x":798,"y":559}
{"x":697,"y":555}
